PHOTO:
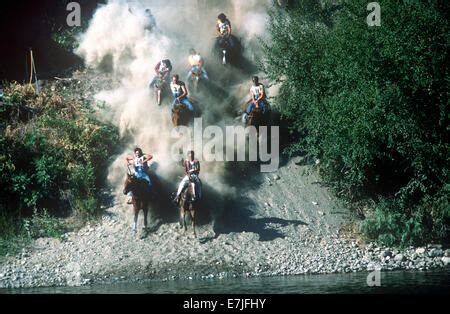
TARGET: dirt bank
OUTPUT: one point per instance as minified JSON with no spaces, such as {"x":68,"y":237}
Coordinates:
{"x":287,"y":224}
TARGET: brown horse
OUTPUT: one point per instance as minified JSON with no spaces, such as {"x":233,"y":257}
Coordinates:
{"x":141,"y":197}
{"x":187,"y":202}
{"x":256,"y":118}
{"x":180,"y":116}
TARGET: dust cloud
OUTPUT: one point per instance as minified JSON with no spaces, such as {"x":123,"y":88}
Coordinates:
{"x":118,"y":43}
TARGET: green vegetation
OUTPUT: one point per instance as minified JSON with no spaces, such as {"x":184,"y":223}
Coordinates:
{"x":68,"y":38}
{"x":371,"y":104}
{"x":53,"y":159}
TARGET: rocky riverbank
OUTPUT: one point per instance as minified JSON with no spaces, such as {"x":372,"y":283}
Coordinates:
{"x":284,"y":233}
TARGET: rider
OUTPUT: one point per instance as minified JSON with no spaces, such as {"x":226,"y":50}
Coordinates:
{"x":257,"y":96}
{"x":162,"y":69}
{"x":192,"y":170}
{"x":223,"y":27}
{"x":140,"y":163}
{"x":196,"y":64}
{"x":150,"y":24}
{"x":179,"y":92}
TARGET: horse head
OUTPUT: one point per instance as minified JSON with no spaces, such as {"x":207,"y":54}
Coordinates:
{"x":179,"y":115}
{"x":129,"y":182}
{"x":176,"y":117}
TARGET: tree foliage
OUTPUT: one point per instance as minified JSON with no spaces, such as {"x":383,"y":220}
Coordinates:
{"x":371,"y":103}
{"x":54,"y":161}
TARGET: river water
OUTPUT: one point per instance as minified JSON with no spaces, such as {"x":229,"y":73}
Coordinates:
{"x":393,"y":282}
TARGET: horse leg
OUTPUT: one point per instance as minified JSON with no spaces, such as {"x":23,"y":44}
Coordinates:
{"x":136,"y":214}
{"x":194,"y":193}
{"x":193,"y":220}
{"x":184,"y":220}
{"x":181,"y":218}
{"x":145,"y":216}
{"x":158,"y":96}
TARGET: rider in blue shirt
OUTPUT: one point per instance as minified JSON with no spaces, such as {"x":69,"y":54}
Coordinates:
{"x":140,"y":164}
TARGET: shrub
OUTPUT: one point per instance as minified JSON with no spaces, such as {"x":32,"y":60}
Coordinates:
{"x":371,"y":103}
{"x":42,"y":224}
{"x":52,"y":163}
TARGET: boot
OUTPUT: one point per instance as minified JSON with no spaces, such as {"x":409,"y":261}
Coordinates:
{"x":244,"y":118}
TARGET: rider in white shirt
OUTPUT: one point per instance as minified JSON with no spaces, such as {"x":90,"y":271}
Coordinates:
{"x":192,"y":170}
{"x":196,"y":64}
{"x":179,"y":92}
{"x":257,"y":96}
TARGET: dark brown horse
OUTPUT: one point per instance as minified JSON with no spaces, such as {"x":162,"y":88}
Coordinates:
{"x":141,"y":197}
{"x":257,"y":119}
{"x":180,"y":116}
{"x":187,"y":204}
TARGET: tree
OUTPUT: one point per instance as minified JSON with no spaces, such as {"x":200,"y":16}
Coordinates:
{"x":371,"y":103}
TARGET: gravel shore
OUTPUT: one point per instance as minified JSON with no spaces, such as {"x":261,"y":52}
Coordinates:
{"x":291,"y":227}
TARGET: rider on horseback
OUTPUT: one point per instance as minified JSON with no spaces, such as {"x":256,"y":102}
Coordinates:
{"x":150,"y":23}
{"x":196,"y":64}
{"x":191,"y":171}
{"x":257,"y":96}
{"x":162,"y":69}
{"x":223,"y":27}
{"x":140,"y":163}
{"x":179,"y":92}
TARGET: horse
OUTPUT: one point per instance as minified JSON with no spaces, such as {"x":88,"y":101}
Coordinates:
{"x":228,"y":49}
{"x":141,"y":197}
{"x":160,"y":90}
{"x":187,"y":204}
{"x":196,"y":77}
{"x":180,"y":116}
{"x":256,"y":117}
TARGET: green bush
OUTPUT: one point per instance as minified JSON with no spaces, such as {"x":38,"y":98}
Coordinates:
{"x":391,"y":224}
{"x":42,"y":224}
{"x":68,"y":38}
{"x":53,"y":163}
{"x":12,"y":236}
{"x":371,"y":104}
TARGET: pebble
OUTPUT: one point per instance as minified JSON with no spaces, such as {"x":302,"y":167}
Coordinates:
{"x":324,"y":254}
{"x":299,"y":161}
{"x":387,"y":254}
{"x":399,"y":257}
{"x":420,"y":250}
{"x":436,"y":253}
